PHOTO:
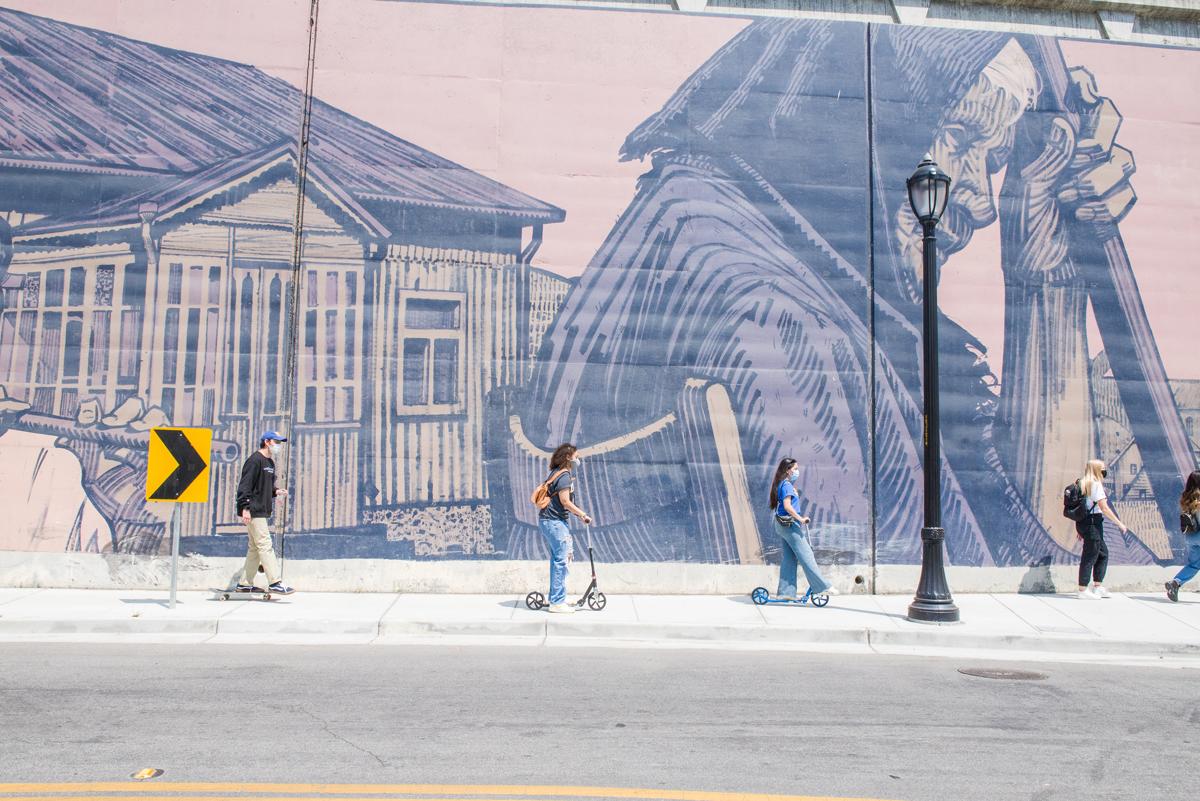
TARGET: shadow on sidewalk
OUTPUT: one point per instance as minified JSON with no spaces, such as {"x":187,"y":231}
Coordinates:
{"x":746,"y":599}
{"x":1038,"y":580}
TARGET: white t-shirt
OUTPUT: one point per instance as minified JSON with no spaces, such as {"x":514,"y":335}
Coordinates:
{"x":1094,"y":497}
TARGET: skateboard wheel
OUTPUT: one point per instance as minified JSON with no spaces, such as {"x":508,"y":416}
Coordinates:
{"x":760,"y":595}
{"x":266,"y":596}
{"x":535,"y":600}
{"x":224,"y":596}
{"x":820,"y":600}
{"x":597,"y":601}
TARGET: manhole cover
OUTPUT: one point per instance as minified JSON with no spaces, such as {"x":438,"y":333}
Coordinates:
{"x":999,"y":673}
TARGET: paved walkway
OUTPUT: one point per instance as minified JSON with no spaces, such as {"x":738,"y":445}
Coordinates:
{"x":1129,"y":628}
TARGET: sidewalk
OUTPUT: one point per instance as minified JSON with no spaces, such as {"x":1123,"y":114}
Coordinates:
{"x":1129,"y":628}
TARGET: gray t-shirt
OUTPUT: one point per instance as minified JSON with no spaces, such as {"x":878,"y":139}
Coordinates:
{"x":556,"y":511}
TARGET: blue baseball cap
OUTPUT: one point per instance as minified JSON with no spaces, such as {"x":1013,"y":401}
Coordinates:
{"x":275,"y":435}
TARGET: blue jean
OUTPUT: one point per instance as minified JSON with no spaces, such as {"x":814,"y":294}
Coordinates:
{"x":1193,"y":559}
{"x":796,"y":550}
{"x":558,"y":539}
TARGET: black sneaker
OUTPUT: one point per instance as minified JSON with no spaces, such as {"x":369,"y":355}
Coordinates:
{"x":1173,"y":589}
{"x":279,"y":588}
{"x":244,"y":588}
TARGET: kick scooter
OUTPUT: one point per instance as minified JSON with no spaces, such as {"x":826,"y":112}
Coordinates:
{"x":592,"y":597}
{"x":761,"y":597}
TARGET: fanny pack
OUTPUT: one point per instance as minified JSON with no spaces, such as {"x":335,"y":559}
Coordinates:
{"x":783,"y":520}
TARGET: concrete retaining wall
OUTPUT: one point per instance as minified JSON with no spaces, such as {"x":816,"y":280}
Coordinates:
{"x":92,"y":571}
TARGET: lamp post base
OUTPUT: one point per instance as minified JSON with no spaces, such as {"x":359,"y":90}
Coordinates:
{"x":933,"y":603}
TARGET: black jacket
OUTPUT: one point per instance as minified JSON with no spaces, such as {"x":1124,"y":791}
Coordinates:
{"x":256,"y":489}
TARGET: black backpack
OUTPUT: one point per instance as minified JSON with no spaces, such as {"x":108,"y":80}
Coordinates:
{"x":1074,"y":503}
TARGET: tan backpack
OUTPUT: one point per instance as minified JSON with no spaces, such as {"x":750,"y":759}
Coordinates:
{"x":541,"y":496}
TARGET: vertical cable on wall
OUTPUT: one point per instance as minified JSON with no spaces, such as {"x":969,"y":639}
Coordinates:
{"x":290,"y":376}
{"x":872,"y":345}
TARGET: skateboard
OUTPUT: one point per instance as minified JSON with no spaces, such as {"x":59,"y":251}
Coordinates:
{"x":254,"y":594}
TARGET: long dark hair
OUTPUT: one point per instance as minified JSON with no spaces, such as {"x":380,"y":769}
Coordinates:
{"x":1190,"y":499}
{"x":562,"y":456}
{"x":785,"y":467}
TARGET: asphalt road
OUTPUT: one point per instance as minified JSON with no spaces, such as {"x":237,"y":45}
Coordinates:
{"x":799,"y":724}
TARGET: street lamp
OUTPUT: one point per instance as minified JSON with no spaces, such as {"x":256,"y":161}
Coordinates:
{"x":928,"y":190}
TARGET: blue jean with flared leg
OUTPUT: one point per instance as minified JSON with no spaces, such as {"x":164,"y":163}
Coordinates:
{"x":797,"y":551}
{"x":1193,"y":559}
{"x":558,"y":539}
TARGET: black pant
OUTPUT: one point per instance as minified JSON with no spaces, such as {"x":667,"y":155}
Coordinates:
{"x":1093,"y":563}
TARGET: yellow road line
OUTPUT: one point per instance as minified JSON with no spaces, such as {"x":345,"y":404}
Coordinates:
{"x":428,"y":792}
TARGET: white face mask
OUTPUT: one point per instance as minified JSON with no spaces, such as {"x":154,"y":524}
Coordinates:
{"x":276,"y":448}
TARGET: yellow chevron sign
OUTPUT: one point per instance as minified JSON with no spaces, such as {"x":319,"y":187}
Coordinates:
{"x":177,"y":465}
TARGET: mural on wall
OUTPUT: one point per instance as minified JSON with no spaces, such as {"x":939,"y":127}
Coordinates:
{"x":173,"y":254}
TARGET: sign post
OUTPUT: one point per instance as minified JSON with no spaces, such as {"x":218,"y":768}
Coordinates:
{"x":177,"y":472}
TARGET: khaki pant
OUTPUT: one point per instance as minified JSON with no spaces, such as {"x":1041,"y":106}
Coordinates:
{"x":260,"y":551}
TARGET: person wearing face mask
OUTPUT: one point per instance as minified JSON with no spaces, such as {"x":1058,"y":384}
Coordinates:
{"x":1093,"y":562}
{"x":552,"y":522}
{"x":791,"y":528}
{"x":256,"y":495}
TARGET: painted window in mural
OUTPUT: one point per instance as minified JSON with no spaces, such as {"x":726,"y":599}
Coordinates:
{"x":724,"y":272}
{"x":433,"y":339}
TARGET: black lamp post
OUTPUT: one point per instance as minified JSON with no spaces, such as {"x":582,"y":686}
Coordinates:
{"x":928,"y":190}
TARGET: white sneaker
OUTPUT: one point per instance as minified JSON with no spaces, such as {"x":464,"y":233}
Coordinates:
{"x":830,"y":591}
{"x":1088,"y":595}
{"x":1101,"y":592}
{"x":562,"y":609}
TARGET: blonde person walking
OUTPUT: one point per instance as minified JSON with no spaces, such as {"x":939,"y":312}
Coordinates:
{"x":1093,"y":562}
{"x":1189,"y":508}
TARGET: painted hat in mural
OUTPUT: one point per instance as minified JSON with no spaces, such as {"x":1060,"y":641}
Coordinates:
{"x":275,"y":435}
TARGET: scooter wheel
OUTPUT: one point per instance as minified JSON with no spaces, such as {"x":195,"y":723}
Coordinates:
{"x":820,"y":600}
{"x":535,"y":600}
{"x":760,"y":595}
{"x":597,"y":602}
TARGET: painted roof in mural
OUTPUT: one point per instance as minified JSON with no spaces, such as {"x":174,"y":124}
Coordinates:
{"x":167,"y":195}
{"x":74,"y":97}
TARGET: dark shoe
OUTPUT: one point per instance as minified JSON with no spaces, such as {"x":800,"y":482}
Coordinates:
{"x":1173,"y":590}
{"x":279,"y":588}
{"x":244,"y":588}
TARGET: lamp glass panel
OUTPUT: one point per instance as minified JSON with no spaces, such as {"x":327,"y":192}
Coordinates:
{"x":942,"y":193}
{"x":919,"y":197}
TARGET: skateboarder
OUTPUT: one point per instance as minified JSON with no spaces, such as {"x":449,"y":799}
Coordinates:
{"x":256,"y":495}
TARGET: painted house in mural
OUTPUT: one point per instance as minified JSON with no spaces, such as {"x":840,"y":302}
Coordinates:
{"x":150,"y":199}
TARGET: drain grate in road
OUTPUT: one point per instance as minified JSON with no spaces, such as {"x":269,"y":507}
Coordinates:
{"x":1000,"y":673}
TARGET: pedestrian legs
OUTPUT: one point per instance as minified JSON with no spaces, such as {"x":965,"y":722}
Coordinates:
{"x":787,"y":564}
{"x":798,"y":551}
{"x":260,"y":551}
{"x":1093,"y":562}
{"x":1192,"y":567}
{"x":558,"y":539}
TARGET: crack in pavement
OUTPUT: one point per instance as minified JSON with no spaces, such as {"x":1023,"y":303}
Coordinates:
{"x":325,"y":725}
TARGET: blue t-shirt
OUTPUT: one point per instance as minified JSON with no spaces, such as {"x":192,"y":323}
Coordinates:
{"x":556,"y":511}
{"x":786,"y":490}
